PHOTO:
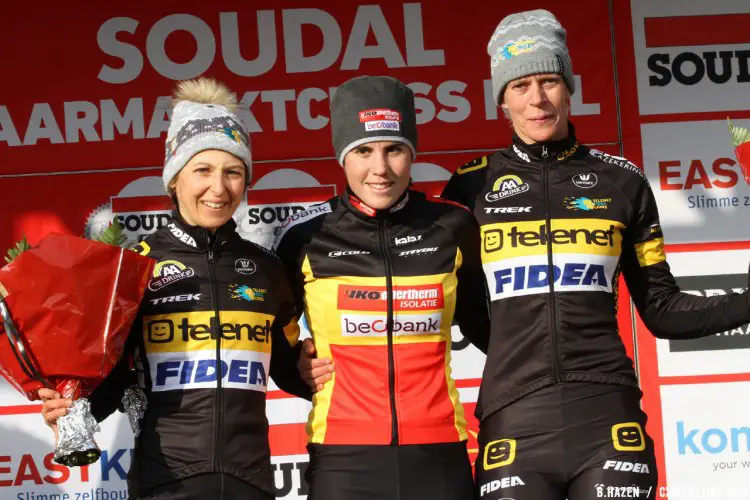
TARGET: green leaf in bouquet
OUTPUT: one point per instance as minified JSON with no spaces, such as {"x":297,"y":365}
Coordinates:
{"x":114,"y":234}
{"x":740,"y":135}
{"x":17,"y":250}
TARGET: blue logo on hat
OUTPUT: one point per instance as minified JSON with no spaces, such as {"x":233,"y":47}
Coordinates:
{"x":232,"y":134}
{"x":517,"y":47}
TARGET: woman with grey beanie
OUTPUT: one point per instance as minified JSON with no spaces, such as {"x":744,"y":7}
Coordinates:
{"x":559,"y":405}
{"x":216,"y":321}
{"x":381,"y":273}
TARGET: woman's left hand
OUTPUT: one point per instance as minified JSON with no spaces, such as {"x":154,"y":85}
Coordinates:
{"x":314,"y":371}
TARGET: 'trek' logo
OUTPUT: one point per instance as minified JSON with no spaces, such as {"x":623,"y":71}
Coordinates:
{"x":167,"y":272}
{"x":375,"y":298}
{"x":695,"y":63}
{"x":496,"y":239}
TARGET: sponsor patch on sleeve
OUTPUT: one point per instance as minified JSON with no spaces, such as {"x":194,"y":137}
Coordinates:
{"x":473,"y":165}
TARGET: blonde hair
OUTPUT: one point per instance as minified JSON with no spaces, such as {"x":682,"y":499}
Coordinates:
{"x":204,"y":90}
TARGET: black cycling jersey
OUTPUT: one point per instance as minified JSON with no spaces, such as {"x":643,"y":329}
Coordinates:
{"x":216,"y":321}
{"x":559,"y":223}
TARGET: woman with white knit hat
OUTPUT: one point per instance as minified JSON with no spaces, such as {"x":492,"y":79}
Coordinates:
{"x":217,"y":320}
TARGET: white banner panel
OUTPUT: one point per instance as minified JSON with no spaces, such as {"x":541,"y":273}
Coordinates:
{"x":707,"y":440}
{"x":691,"y":55}
{"x":697,"y":182}
{"x":708,"y":274}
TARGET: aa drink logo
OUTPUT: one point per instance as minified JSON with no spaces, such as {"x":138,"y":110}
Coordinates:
{"x":167,"y":272}
{"x":267,"y":208}
{"x":691,"y":56}
{"x":141,"y":207}
{"x":714,"y":286}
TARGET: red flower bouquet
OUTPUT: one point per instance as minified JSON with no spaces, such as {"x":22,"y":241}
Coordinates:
{"x":741,"y":143}
{"x":67,"y":306}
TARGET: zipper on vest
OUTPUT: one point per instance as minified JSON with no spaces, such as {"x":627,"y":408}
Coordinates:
{"x":550,"y":265}
{"x":218,"y":401}
{"x":385,"y":249}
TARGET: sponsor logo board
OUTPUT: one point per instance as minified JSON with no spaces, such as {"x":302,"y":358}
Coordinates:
{"x":707,"y":444}
{"x":691,"y":56}
{"x":696,"y":181}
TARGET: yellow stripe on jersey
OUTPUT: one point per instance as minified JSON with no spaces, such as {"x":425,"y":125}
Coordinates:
{"x":317,"y":420}
{"x":291,"y":332}
{"x":194,"y":331}
{"x":506,"y":240}
{"x":472,"y":165}
{"x":458,"y":408}
{"x":650,"y":252}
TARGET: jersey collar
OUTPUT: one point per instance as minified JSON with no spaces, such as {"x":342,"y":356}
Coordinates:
{"x":363,"y":210}
{"x":558,"y":151}
{"x":196,"y":236}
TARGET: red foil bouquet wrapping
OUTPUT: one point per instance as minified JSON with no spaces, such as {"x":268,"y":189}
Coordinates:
{"x":741,"y":143}
{"x":67,"y":307}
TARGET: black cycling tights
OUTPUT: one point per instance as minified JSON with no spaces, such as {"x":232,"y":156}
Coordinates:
{"x":573,"y":440}
{"x":407,"y":472}
{"x":204,"y":487}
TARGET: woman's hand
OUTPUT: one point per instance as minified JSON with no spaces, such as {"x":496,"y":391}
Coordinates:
{"x":53,"y":407}
{"x":314,"y":371}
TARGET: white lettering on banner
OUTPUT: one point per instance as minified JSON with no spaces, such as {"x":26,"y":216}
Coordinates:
{"x":448,"y":94}
{"x":368,"y":20}
{"x":529,"y":275}
{"x":377,"y":326}
{"x":449,"y":106}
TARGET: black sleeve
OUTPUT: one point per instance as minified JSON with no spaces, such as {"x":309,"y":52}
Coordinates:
{"x":467,"y":182}
{"x":285,"y":345}
{"x":472,"y":299}
{"x":666,"y":311}
{"x":107,"y":397}
{"x":289,"y":249}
